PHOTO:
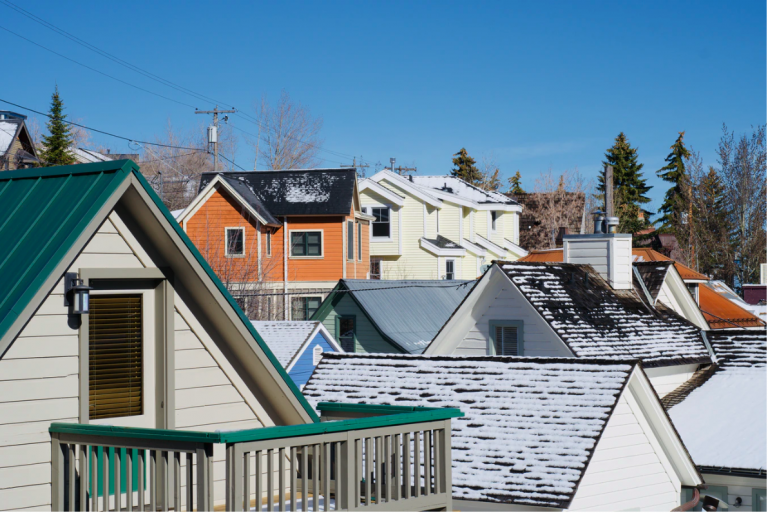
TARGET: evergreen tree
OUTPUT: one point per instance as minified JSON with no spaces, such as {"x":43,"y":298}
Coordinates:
{"x":677,"y":199}
{"x":629,"y":186}
{"x":56,"y":145}
{"x":514,"y":184}
{"x":465,"y":168}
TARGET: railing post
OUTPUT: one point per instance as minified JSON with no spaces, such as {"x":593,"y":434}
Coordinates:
{"x":446,"y":475}
{"x":204,"y":478}
{"x":347,"y":489}
{"x":236,"y":483}
{"x":57,"y":474}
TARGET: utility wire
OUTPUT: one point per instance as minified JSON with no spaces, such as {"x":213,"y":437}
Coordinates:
{"x":102,"y":131}
{"x":318,"y":291}
{"x":232,"y":162}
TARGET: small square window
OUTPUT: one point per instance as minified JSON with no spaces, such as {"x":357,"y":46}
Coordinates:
{"x":506,"y":338}
{"x":235,"y":241}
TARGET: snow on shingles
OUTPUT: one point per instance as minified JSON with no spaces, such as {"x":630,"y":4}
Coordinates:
{"x":739,"y":348}
{"x":284,"y":338}
{"x":530,"y":424}
{"x":596,"y":321}
{"x":461,"y":189}
{"x":304,"y":188}
{"x":7,"y":132}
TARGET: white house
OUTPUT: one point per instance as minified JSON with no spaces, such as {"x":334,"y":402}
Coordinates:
{"x":539,"y":434}
{"x":437,"y":227}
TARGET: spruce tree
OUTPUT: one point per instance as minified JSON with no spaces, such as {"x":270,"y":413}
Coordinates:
{"x":515,"y":187}
{"x":56,"y":145}
{"x":676,"y":201}
{"x":629,"y":186}
{"x":465,"y":168}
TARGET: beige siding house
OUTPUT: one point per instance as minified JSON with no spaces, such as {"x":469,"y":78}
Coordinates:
{"x":437,"y":227}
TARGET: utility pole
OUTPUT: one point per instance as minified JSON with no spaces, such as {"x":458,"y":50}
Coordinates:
{"x":213,"y":136}
{"x":402,"y":170}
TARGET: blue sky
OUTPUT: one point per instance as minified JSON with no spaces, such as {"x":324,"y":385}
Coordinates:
{"x":539,"y":85}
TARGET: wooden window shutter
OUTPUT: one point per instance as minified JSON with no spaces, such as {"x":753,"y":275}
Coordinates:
{"x":506,"y":341}
{"x":115,"y":370}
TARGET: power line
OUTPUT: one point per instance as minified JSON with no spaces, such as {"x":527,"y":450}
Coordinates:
{"x":322,"y":291}
{"x":232,"y":162}
{"x":102,"y":131}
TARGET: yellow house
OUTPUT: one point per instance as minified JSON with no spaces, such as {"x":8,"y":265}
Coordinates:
{"x":437,"y":227}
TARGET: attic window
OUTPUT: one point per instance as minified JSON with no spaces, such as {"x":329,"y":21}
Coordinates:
{"x":506,"y":338}
{"x":494,"y":217}
{"x":317,"y":354}
{"x":235,"y":241}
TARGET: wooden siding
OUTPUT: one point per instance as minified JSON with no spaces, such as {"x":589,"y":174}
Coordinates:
{"x":368,"y":198}
{"x":666,"y":379}
{"x":368,"y":338}
{"x":628,"y":469}
{"x":330,"y":266}
{"x":358,"y":267}
{"x":304,"y":366}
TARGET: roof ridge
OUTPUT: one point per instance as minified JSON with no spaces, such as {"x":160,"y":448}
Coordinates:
{"x":487,"y":358}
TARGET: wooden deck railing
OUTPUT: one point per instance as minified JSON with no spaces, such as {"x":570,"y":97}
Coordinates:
{"x":396,"y":461}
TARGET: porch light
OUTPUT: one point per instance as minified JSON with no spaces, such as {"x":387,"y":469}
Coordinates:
{"x":77,"y":295}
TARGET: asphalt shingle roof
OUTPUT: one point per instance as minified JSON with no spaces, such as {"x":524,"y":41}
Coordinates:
{"x":653,"y":275}
{"x":530,"y":425}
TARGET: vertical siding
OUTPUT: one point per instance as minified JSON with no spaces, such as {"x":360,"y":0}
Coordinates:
{"x":304,"y":366}
{"x":622,"y":259}
{"x":368,"y":338}
{"x":625,"y":470}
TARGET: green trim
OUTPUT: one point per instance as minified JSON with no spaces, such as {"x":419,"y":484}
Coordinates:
{"x":131,"y":432}
{"x":371,"y":408}
{"x":326,"y":306}
{"x":78,"y":169}
{"x":758,"y":499}
{"x":496,"y":323}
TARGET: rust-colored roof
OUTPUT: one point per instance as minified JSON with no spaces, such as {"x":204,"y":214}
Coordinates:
{"x":639,"y":254}
{"x":722,"y":313}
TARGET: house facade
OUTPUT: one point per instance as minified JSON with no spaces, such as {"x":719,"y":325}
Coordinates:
{"x":280,"y":240}
{"x":437,"y":227}
{"x":17,"y":149}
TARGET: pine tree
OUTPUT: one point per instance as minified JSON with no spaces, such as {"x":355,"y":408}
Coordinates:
{"x":629,"y":186}
{"x":514,"y":184}
{"x":465,"y":168}
{"x":677,"y":199}
{"x":56,"y":145}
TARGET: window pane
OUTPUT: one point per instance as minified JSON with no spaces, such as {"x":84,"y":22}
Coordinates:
{"x":347,"y":334}
{"x":381,"y":223}
{"x":314,"y":244}
{"x":235,"y":241}
{"x":381,"y":229}
{"x":359,"y":241}
{"x":269,"y":243}
{"x":350,"y":240}
{"x":298,"y":244}
{"x":505,"y":343}
{"x":449,"y":270}
{"x":115,"y":362}
{"x":313,"y":303}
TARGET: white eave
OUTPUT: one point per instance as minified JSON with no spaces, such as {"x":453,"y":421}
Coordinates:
{"x":490,"y":246}
{"x":473,"y":248}
{"x":408,"y":186}
{"x":514,"y":248}
{"x":443,"y":252}
{"x":381,"y":191}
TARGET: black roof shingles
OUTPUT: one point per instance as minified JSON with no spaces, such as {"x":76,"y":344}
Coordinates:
{"x":653,"y":275}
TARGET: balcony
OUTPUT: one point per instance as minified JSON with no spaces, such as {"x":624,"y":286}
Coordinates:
{"x":358,"y":458}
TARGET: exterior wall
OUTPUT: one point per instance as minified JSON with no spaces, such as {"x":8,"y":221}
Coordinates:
{"x":304,"y":366}
{"x":431,"y":222}
{"x":667,"y":379}
{"x":359,"y":266}
{"x":329,"y":267}
{"x":450,"y":219}
{"x":369,"y":340}
{"x":369,"y":198}
{"x":611,"y":257}
{"x":737,"y":487}
{"x":39,"y":381}
{"x":628,"y":469}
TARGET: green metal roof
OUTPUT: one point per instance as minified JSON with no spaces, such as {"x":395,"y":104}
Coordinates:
{"x":44,"y":211}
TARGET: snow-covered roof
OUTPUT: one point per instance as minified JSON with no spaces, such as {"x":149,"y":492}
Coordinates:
{"x":723,"y":420}
{"x":461,"y":189}
{"x":594,"y":320}
{"x":8,"y":130}
{"x":530,"y":424}
{"x":653,"y":275}
{"x":285,"y":338}
{"x":86,"y":156}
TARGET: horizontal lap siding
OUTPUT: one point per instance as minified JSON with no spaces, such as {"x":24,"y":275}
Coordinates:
{"x":667,"y":379}
{"x":328,"y":268}
{"x":450,"y":217}
{"x":625,"y":471}
{"x":368,"y":338}
{"x":369,"y":198}
{"x":304,"y":366}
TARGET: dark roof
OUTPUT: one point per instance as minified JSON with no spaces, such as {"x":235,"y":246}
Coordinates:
{"x":247,"y":194}
{"x":653,"y":275}
{"x":297,"y":193}
{"x":595,"y":320}
{"x":443,"y":243}
{"x":530,"y":426}
{"x":739,"y":348}
{"x":407,"y":312}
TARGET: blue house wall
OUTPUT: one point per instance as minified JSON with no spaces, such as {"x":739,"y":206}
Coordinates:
{"x":303,"y":368}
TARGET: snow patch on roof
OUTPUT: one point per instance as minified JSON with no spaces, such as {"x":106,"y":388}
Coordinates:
{"x":285,"y":338}
{"x":461,"y":189}
{"x":7,"y":133}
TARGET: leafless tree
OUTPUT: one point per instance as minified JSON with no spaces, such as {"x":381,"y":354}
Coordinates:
{"x":289,"y":136}
{"x":559,"y":202}
{"x":490,"y":179}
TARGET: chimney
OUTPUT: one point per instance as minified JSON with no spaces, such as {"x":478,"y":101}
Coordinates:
{"x":608,"y":252}
{"x":392,"y":164}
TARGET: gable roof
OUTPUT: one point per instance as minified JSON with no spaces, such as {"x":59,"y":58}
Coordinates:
{"x":408,"y":313}
{"x":45,"y":214}
{"x":296,"y":192}
{"x":722,"y":418}
{"x":461,"y":189}
{"x":594,"y":320}
{"x":722,"y":313}
{"x":653,"y":275}
{"x":530,"y":425}
{"x":287,"y":339}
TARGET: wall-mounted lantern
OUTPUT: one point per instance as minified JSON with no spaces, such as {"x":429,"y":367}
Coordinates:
{"x":76,"y":295}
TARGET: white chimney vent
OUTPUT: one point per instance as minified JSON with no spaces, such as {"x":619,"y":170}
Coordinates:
{"x":610,"y":254}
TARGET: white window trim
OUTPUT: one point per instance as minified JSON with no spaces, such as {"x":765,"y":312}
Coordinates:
{"x":313,"y":257}
{"x":269,"y":242}
{"x":359,"y":235}
{"x":226,"y":242}
{"x":369,"y":210}
{"x":445,"y":269}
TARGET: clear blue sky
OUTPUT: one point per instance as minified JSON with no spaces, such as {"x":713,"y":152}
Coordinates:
{"x":539,"y":84}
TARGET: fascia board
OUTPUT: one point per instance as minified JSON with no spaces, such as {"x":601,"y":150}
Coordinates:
{"x":473,"y":248}
{"x":490,"y":246}
{"x":242,"y":201}
{"x":668,"y":438}
{"x":514,"y":248}
{"x":319,"y":328}
{"x":681,"y":293}
{"x":204,"y":195}
{"x":499,"y":206}
{"x":407,"y":186}
{"x":381,"y":191}
{"x":364,"y":217}
{"x":458,"y":200}
{"x":441,"y":251}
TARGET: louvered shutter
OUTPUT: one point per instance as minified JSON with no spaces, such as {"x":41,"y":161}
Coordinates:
{"x":115,"y":373}
{"x":506,"y":341}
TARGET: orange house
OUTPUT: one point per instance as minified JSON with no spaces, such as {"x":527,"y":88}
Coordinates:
{"x":280,"y":240}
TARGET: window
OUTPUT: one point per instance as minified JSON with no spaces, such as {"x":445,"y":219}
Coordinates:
{"x":269,"y":243}
{"x":375,"y":268}
{"x":235,"y":241}
{"x":381,"y":222}
{"x":350,"y":240}
{"x":317,"y":354}
{"x":115,"y":363}
{"x":494,"y":216}
{"x":758,"y":499}
{"x":437,"y":222}
{"x":306,"y":244}
{"x":360,"y":241}
{"x":303,"y":308}
{"x":345,"y":332}
{"x":506,"y":338}
{"x":449,"y":269}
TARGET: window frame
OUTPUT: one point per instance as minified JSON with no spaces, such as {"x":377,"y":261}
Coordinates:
{"x":317,"y":357}
{"x":370,"y":268}
{"x":338,"y":330}
{"x":494,"y":220}
{"x":504,"y":323}
{"x":226,"y":242}
{"x":269,"y":243}
{"x":306,"y":257}
{"x":756,"y":497}
{"x":350,"y":241}
{"x":452,"y":261}
{"x":305,"y":306}
{"x":381,"y":238}
{"x":359,"y":241}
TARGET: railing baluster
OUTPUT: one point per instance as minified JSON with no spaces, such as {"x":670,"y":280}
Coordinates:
{"x":326,"y":476}
{"x":238,"y":502}
{"x":368,"y":473}
{"x":189,"y":482}
{"x":417,"y":463}
{"x":153,"y":481}
{"x":258,"y":471}
{"x":376,"y":467}
{"x":407,"y":465}
{"x":294,"y":472}
{"x":247,"y":480}
{"x":397,"y":463}
{"x":57,"y":473}
{"x":436,"y":457}
{"x":177,"y":481}
{"x":105,"y":477}
{"x":386,"y":481}
{"x":83,"y":477}
{"x":427,"y":461}
{"x":141,"y":484}
{"x":116,"y":477}
{"x":316,"y":477}
{"x":304,"y":475}
{"x":70,"y":448}
{"x":281,"y":477}
{"x":229,"y":499}
{"x":338,"y":489}
{"x":270,"y":480}
{"x":129,"y":479}
{"x":165,"y":477}
{"x":359,"y":476}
